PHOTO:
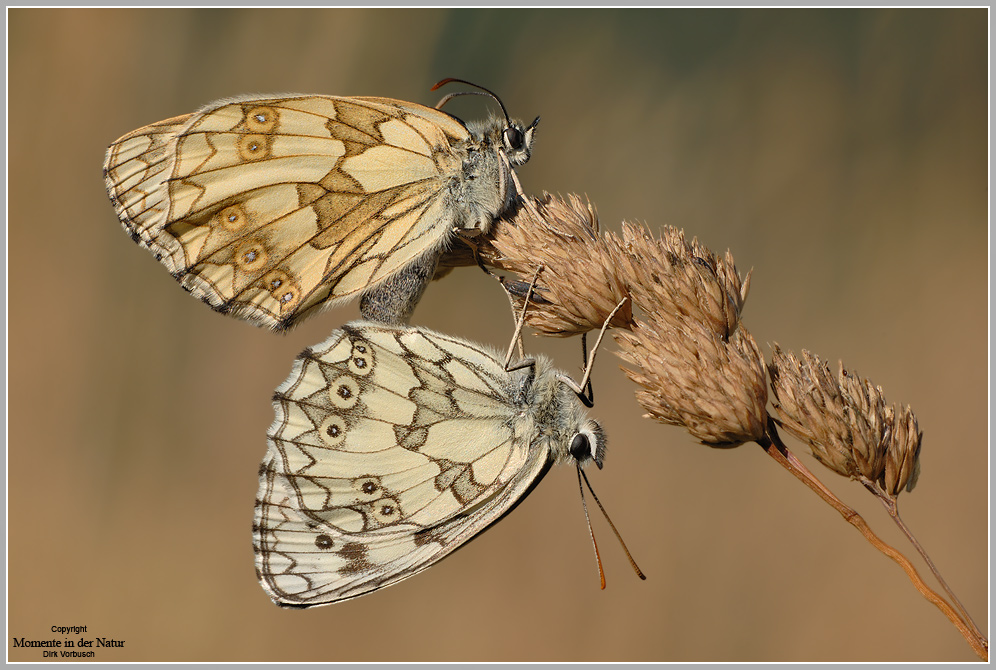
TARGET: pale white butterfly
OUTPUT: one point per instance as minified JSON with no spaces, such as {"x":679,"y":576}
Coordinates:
{"x":270,"y":208}
{"x":392,"y":447}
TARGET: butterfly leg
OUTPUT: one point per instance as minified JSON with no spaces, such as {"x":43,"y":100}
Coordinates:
{"x":579,"y":389}
{"x":589,"y":391}
{"x":394,"y":301}
{"x":527,"y":202}
{"x":514,"y":288}
{"x":520,"y":321}
{"x":475,"y":250}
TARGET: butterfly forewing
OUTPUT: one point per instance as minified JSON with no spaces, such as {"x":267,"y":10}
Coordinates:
{"x":269,"y":208}
{"x":384,"y":438}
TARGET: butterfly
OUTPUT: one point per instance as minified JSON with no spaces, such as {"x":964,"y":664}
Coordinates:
{"x":271,"y":208}
{"x":393,"y":446}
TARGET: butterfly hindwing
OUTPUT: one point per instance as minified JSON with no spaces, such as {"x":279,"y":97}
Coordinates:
{"x":269,"y":208}
{"x":385,"y":439}
{"x":302,"y":563}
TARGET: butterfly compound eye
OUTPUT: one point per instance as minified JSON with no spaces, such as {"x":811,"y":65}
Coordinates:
{"x":514,"y":138}
{"x":581,"y":448}
{"x":589,"y":444}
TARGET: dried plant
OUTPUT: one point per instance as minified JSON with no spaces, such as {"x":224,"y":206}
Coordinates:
{"x":846,"y":423}
{"x":717,"y":388}
{"x":566,"y":242}
{"x":697,"y":366}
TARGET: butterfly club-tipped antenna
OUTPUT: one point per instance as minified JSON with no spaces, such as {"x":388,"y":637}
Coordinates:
{"x":580,"y":448}
{"x":482,"y":91}
{"x":591,"y":532}
{"x":514,"y":137}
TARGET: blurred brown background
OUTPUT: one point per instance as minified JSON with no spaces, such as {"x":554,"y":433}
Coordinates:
{"x":842,"y":154}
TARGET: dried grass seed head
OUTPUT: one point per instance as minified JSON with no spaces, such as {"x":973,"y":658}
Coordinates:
{"x":902,"y":459}
{"x":579,"y":286}
{"x":846,"y":422}
{"x":674,"y":279}
{"x":692,"y":377}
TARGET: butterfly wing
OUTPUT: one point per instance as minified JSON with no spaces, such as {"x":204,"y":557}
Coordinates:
{"x":391,"y":448}
{"x":269,"y":208}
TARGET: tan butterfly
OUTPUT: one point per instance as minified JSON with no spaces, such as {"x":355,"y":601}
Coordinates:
{"x":270,"y":208}
{"x":395,"y":445}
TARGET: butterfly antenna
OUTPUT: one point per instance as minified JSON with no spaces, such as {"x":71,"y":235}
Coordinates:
{"x":508,"y":122}
{"x":636,"y":568}
{"x":517,"y":335}
{"x":450,"y":96}
{"x":584,"y":505}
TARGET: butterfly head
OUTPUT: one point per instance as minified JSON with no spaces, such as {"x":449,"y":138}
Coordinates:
{"x":514,"y":138}
{"x":588,"y":444}
{"x":517,"y":141}
{"x":561,"y":415}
